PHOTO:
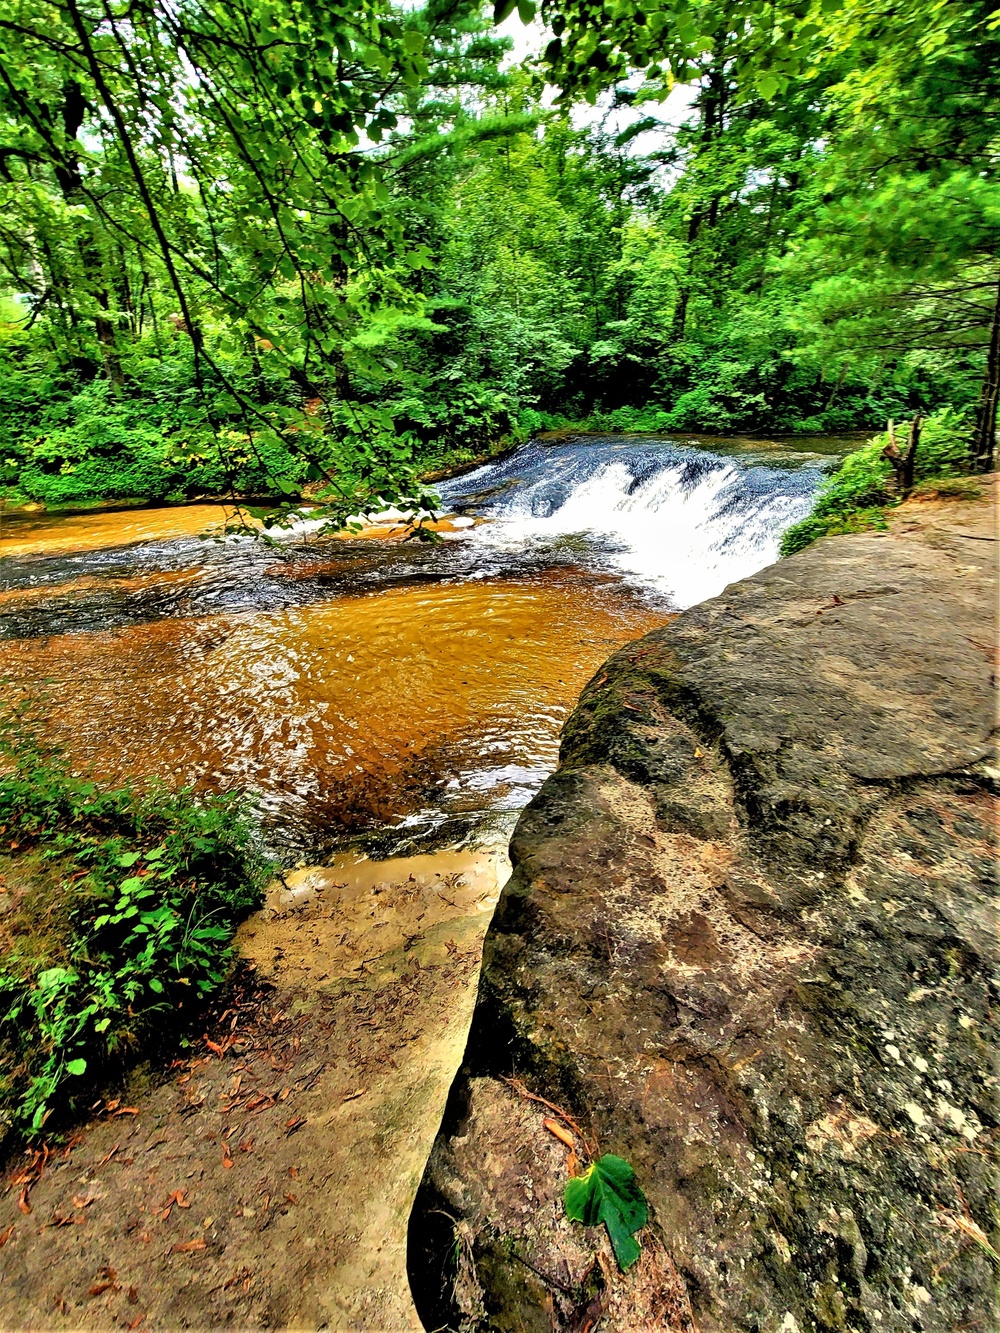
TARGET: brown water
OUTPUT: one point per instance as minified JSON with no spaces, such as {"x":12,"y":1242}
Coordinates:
{"x":356,"y":685}
{"x":348,"y":686}
{"x":353,"y":712}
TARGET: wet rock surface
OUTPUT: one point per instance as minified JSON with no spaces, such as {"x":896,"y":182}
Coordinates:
{"x":749,"y":944}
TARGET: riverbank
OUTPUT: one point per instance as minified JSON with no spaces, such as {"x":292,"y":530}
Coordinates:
{"x":416,"y":684}
{"x":267,"y":1181}
{"x":747,"y":946}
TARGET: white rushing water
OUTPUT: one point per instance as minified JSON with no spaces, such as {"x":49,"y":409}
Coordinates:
{"x":681,"y":521}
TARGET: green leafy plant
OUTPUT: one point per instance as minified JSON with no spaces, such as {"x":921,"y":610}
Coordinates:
{"x":855,"y":498}
{"x":122,"y":904}
{"x":609,"y":1193}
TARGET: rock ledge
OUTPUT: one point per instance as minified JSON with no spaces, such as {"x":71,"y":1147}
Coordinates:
{"x":748,"y":943}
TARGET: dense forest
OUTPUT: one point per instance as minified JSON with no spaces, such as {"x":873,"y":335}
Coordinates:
{"x":269,"y":245}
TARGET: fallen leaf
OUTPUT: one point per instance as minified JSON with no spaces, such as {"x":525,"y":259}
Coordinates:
{"x":246,"y":1145}
{"x":108,"y":1156}
{"x":136,"y":1322}
{"x":245,"y":1276}
{"x":184,"y":1247}
{"x":108,"y":1282}
{"x":214,"y":1047}
{"x":178,"y":1199}
{"x":350,"y":1096}
{"x":127,"y":1110}
{"x":22,"y":1201}
{"x":608,"y":1192}
{"x":6,"y":1235}
{"x":133,"y":1296}
{"x":82,"y":1201}
{"x":227,"y":1160}
{"x":295,"y":1123}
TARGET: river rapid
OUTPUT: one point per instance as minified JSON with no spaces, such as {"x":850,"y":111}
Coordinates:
{"x":377,"y":686}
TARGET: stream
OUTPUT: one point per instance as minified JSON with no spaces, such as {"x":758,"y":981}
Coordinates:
{"x":363,"y":687}
{"x":388,"y":707}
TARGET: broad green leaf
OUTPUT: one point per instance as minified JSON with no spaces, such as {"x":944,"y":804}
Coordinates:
{"x":608,"y":1192}
{"x":767,"y":86}
{"x":76,"y":1067}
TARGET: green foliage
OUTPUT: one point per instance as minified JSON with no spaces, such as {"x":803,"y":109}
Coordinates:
{"x":855,"y":497}
{"x":609,"y":1193}
{"x":124,"y":903}
{"x":398,"y":251}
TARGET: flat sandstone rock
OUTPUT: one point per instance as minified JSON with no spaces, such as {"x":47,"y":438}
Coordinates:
{"x":748,"y":945}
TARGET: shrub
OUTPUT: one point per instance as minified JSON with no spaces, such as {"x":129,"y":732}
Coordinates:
{"x":123,"y":903}
{"x":856,"y":496}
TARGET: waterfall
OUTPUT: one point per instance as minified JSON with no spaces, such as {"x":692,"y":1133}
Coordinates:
{"x":677,"y":520}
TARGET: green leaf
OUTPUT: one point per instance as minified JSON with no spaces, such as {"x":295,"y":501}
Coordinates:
{"x":129,"y":858}
{"x":502,"y":9}
{"x":526,"y":10}
{"x":767,"y":86}
{"x":608,"y":1192}
{"x":76,"y":1067}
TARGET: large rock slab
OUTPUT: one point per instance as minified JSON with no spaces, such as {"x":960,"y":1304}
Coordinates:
{"x":749,"y":944}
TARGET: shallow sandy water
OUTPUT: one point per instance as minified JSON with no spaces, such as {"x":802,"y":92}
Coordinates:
{"x":350,"y":713}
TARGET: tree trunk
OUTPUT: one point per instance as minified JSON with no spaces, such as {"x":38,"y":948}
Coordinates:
{"x":71,"y":184}
{"x":985,"y":435}
{"x":680,"y":315}
{"x":904,"y":465}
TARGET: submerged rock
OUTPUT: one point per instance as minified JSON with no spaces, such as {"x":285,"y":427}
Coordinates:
{"x":749,"y":946}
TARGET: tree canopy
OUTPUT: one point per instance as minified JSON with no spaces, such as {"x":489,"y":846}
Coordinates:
{"x":273,"y":246}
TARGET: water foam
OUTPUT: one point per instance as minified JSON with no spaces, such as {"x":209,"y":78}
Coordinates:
{"x":680,"y":521}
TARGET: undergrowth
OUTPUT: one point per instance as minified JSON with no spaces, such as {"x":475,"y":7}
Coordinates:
{"x":118,"y":911}
{"x":856,"y":497}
